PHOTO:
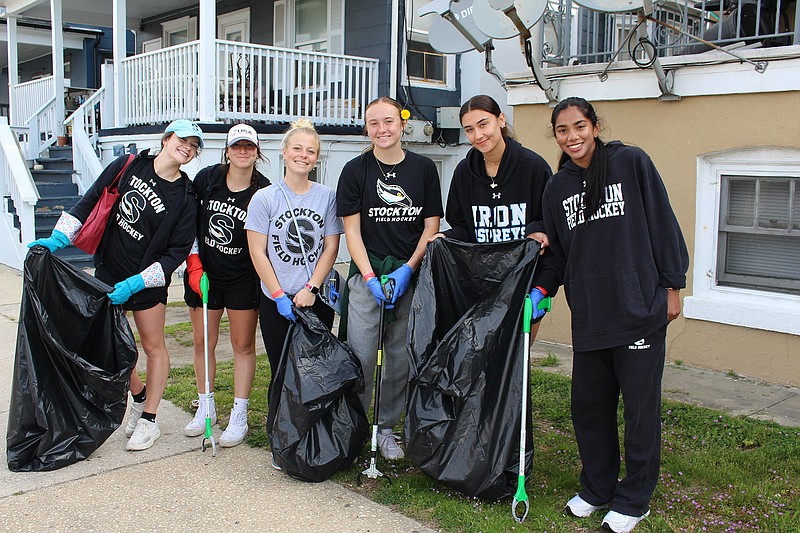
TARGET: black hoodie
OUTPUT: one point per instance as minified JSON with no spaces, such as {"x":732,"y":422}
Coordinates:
{"x":478,"y":212}
{"x":616,"y":268}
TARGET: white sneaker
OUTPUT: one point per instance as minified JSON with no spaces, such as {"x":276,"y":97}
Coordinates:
{"x":134,"y":413}
{"x":197,"y":426}
{"x":580,"y":508}
{"x":144,"y":436}
{"x":621,"y":523}
{"x":387,"y":443}
{"x":237,"y":429}
{"x":274,"y":464}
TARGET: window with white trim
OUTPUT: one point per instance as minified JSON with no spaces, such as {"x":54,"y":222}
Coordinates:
{"x":747,"y":240}
{"x":179,"y":31}
{"x":424,"y":66}
{"x":759,"y":242}
{"x":313,"y":25}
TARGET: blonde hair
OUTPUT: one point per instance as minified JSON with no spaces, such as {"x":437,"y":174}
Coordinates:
{"x":301,"y":125}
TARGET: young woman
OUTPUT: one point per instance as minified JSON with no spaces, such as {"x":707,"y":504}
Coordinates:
{"x":149,"y":233}
{"x":620,"y":254}
{"x":496,"y":191}
{"x":285,"y":240}
{"x":224,"y":192}
{"x":391,"y":204}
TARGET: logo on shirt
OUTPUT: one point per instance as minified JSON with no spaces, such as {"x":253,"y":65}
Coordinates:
{"x":613,"y":206}
{"x":307,"y":234}
{"x":499,"y":223}
{"x":399,"y":206}
{"x":639,"y":345}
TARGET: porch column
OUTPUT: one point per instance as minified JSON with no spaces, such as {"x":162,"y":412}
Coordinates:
{"x":119,"y":11}
{"x":13,"y":64}
{"x":57,"y":32}
{"x":207,"y":61}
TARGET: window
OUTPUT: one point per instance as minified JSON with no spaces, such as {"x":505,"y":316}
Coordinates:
{"x":747,"y":240}
{"x":424,"y":66}
{"x":759,"y":242}
{"x":179,"y":31}
{"x":313,"y":25}
{"x":234,"y":26}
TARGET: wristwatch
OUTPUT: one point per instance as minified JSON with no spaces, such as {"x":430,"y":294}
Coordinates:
{"x":312,"y":289}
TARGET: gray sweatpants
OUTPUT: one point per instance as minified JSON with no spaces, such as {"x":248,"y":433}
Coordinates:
{"x":362,"y":336}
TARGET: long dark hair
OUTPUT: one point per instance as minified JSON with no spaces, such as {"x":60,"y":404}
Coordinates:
{"x":483,"y":102}
{"x":596,"y":174}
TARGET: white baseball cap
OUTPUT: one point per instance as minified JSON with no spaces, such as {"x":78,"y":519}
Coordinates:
{"x":241,"y":132}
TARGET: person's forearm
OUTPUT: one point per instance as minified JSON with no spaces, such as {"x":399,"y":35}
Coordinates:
{"x":430,"y":229}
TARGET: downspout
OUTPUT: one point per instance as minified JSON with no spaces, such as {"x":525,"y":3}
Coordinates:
{"x":393,"y":49}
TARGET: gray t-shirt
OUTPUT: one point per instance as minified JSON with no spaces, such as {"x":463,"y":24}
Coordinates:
{"x":315,"y":212}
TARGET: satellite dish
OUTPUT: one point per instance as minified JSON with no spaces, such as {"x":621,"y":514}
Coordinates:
{"x":493,"y":21}
{"x":444,"y":34}
{"x":447,"y":39}
{"x":612,"y":6}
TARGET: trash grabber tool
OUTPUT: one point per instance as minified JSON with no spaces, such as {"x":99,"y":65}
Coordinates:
{"x":527,"y":312}
{"x":372,"y":471}
{"x":208,"y":434}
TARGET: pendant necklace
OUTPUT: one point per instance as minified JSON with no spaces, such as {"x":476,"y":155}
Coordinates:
{"x":391,"y":174}
{"x":488,"y":163}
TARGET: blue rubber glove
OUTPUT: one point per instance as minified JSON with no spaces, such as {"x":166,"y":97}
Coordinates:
{"x":374,"y":285}
{"x":536,"y":297}
{"x":402,"y":280}
{"x":54,"y":242}
{"x":125,"y":289}
{"x":285,"y":308}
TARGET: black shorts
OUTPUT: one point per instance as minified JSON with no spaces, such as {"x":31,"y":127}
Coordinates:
{"x":239,"y":298}
{"x":140,"y":301}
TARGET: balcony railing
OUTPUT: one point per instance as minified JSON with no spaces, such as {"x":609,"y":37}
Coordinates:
{"x":253,"y":83}
{"x":265,"y":83}
{"x":27,"y":98}
{"x":576,"y":35}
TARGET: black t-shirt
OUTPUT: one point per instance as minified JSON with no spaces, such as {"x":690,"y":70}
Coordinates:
{"x":393,"y":201}
{"x":142,"y":207}
{"x":227,"y":257}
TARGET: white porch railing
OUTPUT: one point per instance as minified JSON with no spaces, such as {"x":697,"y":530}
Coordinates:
{"x":161,"y":86}
{"x":41,"y":130}
{"x":27,"y":98}
{"x":265,"y":83}
{"x":85,"y":127}
{"x":17,"y":189}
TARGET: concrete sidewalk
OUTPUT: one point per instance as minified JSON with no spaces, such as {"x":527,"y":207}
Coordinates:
{"x":174,"y":486}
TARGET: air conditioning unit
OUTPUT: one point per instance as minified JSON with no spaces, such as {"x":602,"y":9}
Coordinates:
{"x":418,"y":131}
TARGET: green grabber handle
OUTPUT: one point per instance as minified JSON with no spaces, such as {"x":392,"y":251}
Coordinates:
{"x":546,"y":304}
{"x":204,"y":287}
{"x":521,"y":497}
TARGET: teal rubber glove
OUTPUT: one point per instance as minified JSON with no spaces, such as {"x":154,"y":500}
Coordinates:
{"x":125,"y":289}
{"x":285,"y":308}
{"x":536,"y":297}
{"x":402,"y":280}
{"x":374,"y":285}
{"x":54,"y":242}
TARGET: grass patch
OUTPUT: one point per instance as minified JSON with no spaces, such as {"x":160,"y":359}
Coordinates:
{"x":718,"y":473}
{"x":549,"y":361}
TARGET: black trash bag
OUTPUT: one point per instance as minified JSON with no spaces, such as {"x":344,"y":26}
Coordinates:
{"x":75,"y":354}
{"x":462,"y":423}
{"x":317,"y":425}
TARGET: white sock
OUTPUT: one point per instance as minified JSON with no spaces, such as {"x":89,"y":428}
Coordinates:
{"x":240,"y":404}
{"x":202,"y":398}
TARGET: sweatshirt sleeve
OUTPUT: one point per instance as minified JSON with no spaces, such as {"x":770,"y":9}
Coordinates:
{"x":669,"y":248}
{"x":86,"y":204}
{"x":456,"y":214}
{"x":551,"y":266}
{"x":541,"y":174}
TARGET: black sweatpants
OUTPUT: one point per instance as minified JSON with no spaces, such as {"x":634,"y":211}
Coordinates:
{"x":598,"y":377}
